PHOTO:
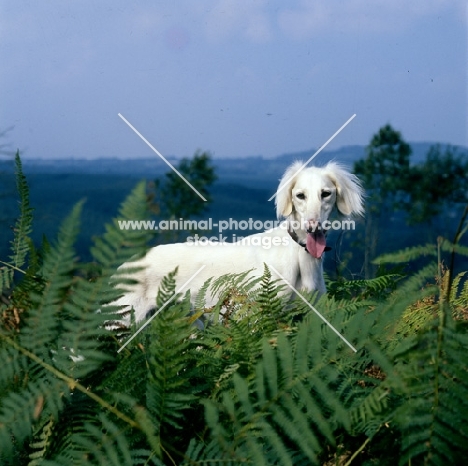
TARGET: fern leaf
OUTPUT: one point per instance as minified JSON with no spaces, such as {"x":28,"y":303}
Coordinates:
{"x":22,"y":230}
{"x":433,"y":416}
{"x":114,"y":248}
{"x":166,"y":289}
{"x":408,"y":254}
{"x":200,"y":299}
{"x":42,"y":444}
{"x":23,"y":227}
{"x":168,"y":348}
{"x":448,"y":246}
{"x":288,"y":402}
{"x":118,"y":245}
{"x":58,"y":268}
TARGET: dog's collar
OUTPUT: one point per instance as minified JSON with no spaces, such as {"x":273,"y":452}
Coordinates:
{"x":294,"y":236}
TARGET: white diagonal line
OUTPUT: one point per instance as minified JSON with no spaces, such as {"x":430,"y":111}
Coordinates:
{"x":161,"y":308}
{"x":316,"y":153}
{"x":313,"y":308}
{"x":160,"y":155}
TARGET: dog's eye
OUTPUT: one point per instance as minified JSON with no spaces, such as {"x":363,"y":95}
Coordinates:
{"x":300,"y":195}
{"x":326,"y":194}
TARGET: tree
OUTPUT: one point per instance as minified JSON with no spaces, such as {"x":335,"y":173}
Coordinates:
{"x":173,"y":198}
{"x":177,"y":198}
{"x":385,"y":175}
{"x":385,"y":170}
{"x":437,"y":184}
{"x":422,"y":191}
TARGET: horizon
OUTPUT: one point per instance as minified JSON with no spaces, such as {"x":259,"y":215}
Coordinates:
{"x":10,"y":156}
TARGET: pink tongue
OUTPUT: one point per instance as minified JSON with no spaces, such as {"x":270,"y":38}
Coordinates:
{"x":316,"y":243}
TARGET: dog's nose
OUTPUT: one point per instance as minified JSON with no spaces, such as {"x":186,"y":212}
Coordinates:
{"x":313,"y":225}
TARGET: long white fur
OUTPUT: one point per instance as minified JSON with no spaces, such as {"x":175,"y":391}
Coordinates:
{"x":291,"y":260}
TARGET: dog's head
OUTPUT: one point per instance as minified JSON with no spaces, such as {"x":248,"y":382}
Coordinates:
{"x":309,"y":196}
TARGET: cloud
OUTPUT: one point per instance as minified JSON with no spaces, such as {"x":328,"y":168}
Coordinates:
{"x":311,"y":17}
{"x":247,"y":18}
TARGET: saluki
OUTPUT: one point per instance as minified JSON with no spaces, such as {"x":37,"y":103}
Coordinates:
{"x":305,"y":199}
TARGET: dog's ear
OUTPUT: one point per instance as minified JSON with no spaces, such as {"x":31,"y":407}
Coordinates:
{"x":283,"y":201}
{"x":349,"y":192}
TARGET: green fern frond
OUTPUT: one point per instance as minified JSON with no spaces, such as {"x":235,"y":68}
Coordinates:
{"x":268,"y":299}
{"x":371,"y":411}
{"x":21,"y":243}
{"x":433,"y":417}
{"x":424,"y":308}
{"x":289,"y":402}
{"x":23,"y":227}
{"x":456,"y":284}
{"x":415,"y":288}
{"x":6,"y":277}
{"x":408,"y":254}
{"x":42,"y":444}
{"x":234,"y":289}
{"x":227,"y":349}
{"x":377,"y":287}
{"x":448,"y":246}
{"x":25,"y":407}
{"x":200,"y":299}
{"x":45,"y":317}
{"x":166,"y":289}
{"x":115,"y":247}
{"x":129,"y":242}
{"x":254,"y":310}
{"x":102,"y":442}
{"x":118,"y":245}
{"x":169,"y":349}
{"x":459,"y":297}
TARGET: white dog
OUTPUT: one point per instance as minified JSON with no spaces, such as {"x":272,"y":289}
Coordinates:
{"x":305,"y":199}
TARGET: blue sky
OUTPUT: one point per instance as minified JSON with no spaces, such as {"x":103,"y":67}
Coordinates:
{"x":235,"y":77}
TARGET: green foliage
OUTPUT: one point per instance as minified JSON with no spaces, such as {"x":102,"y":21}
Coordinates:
{"x":288,"y":405}
{"x":20,"y":245}
{"x":432,"y":366}
{"x":416,"y":193}
{"x":178,"y":199}
{"x":259,"y":378}
{"x":384,"y":173}
{"x":385,"y":170}
{"x":380,"y":286}
{"x":437,"y":183}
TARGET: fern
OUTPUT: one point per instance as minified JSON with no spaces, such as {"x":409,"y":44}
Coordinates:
{"x":263,"y":381}
{"x":23,"y":227}
{"x":200,"y":299}
{"x":38,"y":337}
{"x":44,"y":319}
{"x":117,"y":246}
{"x":433,"y":416}
{"x":169,"y":393}
{"x":42,"y":445}
{"x":60,"y":340}
{"x":167,"y":289}
{"x":21,"y":243}
{"x":408,"y":254}
{"x":22,"y":230}
{"x":253,"y":309}
{"x":377,"y":287}
{"x":459,"y":297}
{"x":287,"y":403}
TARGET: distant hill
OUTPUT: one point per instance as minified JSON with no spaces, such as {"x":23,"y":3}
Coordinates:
{"x":254,"y":171}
